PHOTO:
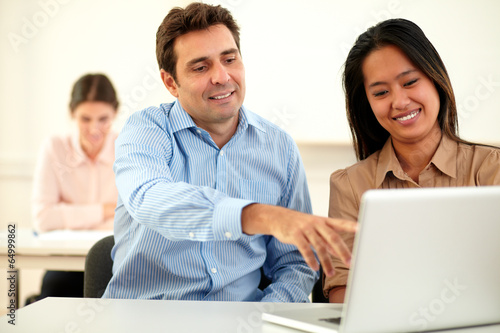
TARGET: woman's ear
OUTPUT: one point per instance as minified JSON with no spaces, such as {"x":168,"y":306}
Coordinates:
{"x":169,"y":82}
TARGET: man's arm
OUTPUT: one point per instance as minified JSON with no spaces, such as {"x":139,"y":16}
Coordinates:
{"x":305,"y":231}
{"x":145,"y":181}
{"x":286,"y":265}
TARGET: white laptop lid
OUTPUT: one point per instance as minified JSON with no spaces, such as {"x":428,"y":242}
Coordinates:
{"x":428,"y":259}
{"x":424,"y":259}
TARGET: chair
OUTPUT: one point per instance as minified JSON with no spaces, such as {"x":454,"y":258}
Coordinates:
{"x":317,"y":295}
{"x":98,"y":268}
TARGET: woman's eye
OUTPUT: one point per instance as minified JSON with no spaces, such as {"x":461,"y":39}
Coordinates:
{"x":407,"y":84}
{"x":380,"y":93}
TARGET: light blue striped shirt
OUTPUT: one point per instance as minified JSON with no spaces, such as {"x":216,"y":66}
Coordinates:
{"x":178,"y":219}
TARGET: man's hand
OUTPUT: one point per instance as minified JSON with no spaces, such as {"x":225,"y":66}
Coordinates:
{"x":305,"y":231}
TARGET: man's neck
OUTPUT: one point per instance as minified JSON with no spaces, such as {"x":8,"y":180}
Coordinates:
{"x":222,"y":132}
{"x":221,"y":139}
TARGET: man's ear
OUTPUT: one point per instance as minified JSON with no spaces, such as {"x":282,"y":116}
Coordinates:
{"x":169,"y":82}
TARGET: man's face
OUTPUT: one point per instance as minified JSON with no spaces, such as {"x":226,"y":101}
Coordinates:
{"x":210,"y":83}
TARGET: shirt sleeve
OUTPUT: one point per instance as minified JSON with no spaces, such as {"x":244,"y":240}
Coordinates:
{"x":489,"y":171}
{"x":343,"y":204}
{"x":49,"y":212}
{"x":292,"y":279}
{"x":176,"y":210}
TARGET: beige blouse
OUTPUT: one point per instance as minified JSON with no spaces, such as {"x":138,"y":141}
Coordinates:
{"x":69,"y":189}
{"x":453,"y":164}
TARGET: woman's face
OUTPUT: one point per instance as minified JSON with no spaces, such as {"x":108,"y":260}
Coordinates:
{"x":403,"y":99}
{"x":94,"y":121}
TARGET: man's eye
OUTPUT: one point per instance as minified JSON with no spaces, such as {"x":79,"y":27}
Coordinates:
{"x":200,"y":69}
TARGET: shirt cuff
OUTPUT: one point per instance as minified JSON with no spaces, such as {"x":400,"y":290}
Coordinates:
{"x":227,"y":218}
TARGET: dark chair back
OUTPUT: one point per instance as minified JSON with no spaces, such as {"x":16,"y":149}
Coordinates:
{"x":98,"y":268}
{"x":317,"y":292}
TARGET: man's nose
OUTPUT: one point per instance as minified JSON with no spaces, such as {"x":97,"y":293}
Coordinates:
{"x":220,"y":74}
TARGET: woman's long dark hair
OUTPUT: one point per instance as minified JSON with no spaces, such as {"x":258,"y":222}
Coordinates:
{"x":368,"y":135}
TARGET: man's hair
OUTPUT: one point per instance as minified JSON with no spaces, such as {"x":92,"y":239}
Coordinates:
{"x":179,"y":21}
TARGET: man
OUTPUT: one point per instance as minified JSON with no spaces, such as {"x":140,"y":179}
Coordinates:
{"x":203,"y":183}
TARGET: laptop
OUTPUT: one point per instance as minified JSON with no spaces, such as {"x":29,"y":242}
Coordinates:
{"x":423,"y":259}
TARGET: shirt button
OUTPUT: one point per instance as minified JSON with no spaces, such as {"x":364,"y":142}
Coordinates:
{"x":228,"y":234}
{"x":199,"y":131}
{"x":214,"y":270}
{"x":191,"y":234}
{"x":222,"y":153}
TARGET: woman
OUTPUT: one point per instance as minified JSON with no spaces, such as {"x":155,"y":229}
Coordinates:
{"x":403,"y":119}
{"x":74,"y":184}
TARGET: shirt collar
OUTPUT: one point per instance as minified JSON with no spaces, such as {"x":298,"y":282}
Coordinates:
{"x":181,"y":120}
{"x":249,"y":119}
{"x":387,"y":162}
{"x":79,"y":156}
{"x":106,"y":155}
{"x":444,"y":159}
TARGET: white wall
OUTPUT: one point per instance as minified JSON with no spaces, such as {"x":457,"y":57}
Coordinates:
{"x":293,"y":52}
{"x":295,"y":49}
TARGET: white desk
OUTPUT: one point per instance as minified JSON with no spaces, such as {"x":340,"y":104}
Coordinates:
{"x":57,"y":315}
{"x":63,"y":250}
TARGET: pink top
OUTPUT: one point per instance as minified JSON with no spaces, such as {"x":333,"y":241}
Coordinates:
{"x":69,"y":189}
